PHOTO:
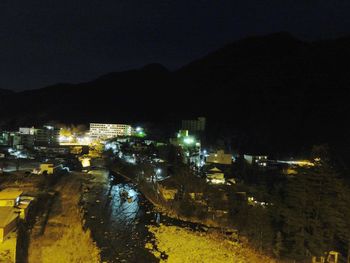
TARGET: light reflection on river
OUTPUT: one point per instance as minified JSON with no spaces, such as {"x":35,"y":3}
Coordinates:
{"x":118,"y":224}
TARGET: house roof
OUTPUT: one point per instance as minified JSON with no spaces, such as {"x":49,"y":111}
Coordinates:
{"x":10,"y":194}
{"x":215,"y":169}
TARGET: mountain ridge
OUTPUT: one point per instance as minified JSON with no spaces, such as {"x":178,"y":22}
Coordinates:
{"x":275,"y":89}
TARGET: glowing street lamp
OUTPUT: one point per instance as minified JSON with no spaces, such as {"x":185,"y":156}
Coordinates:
{"x":189,"y":140}
{"x":140,"y":132}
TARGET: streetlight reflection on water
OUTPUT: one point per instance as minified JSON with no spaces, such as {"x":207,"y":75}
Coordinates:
{"x":124,"y":209}
{"x":117,"y":215}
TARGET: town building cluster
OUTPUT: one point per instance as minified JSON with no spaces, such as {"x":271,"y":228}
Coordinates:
{"x":50,"y":145}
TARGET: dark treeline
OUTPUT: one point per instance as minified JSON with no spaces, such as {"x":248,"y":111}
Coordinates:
{"x":308,"y":213}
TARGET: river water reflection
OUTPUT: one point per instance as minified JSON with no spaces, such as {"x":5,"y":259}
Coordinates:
{"x":118,"y":221}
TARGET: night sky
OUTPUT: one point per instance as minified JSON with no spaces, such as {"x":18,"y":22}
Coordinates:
{"x":45,"y":42}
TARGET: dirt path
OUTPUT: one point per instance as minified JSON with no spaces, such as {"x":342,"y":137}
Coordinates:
{"x":64,"y":239}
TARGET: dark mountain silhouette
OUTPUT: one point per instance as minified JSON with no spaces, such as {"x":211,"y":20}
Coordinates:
{"x":5,"y":92}
{"x":275,"y":93}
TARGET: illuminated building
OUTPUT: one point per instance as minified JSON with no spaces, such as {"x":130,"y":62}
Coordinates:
{"x":260,"y":160}
{"x":49,"y":168}
{"x":27,"y":136}
{"x":10,"y":197}
{"x":5,"y":138}
{"x":16,"y":139}
{"x":47,"y":135}
{"x":189,"y":145}
{"x":219,"y":157}
{"x":27,"y":131}
{"x":108,"y":131}
{"x":195,"y":127}
{"x":215,"y":176}
{"x":85,"y":161}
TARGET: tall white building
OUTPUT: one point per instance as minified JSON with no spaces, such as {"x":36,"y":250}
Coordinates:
{"x":27,"y":131}
{"x":108,"y":131}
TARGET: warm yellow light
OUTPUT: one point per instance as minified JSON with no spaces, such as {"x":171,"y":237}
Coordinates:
{"x":85,"y":161}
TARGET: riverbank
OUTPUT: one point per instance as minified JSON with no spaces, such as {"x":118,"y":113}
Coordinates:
{"x":171,"y":240}
{"x":158,"y":202}
{"x":64,"y":239}
{"x":180,"y":245}
{"x":163,"y":207}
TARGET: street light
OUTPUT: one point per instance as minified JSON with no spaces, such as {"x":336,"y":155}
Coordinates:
{"x":189,"y":140}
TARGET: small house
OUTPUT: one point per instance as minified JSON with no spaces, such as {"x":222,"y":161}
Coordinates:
{"x":8,"y":221}
{"x":9,"y":198}
{"x":14,"y":199}
{"x":47,"y":167}
{"x":215,"y":176}
{"x":167,"y":189}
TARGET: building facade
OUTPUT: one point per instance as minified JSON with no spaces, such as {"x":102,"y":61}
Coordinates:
{"x":5,"y":138}
{"x":27,"y":130}
{"x":108,"y":131}
{"x":11,"y":139}
{"x":194,"y":126}
{"x":260,"y":160}
{"x":219,"y":157}
{"x":47,"y":135}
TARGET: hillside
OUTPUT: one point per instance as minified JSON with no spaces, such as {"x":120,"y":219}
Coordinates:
{"x":271,"y":92}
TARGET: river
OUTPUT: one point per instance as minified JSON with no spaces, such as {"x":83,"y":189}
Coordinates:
{"x":118,"y":226}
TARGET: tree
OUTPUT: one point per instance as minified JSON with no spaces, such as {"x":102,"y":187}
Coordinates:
{"x":315,"y":211}
{"x":259,"y":228}
{"x":277,"y":250}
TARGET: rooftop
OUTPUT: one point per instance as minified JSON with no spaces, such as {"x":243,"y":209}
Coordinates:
{"x":9,"y":194}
